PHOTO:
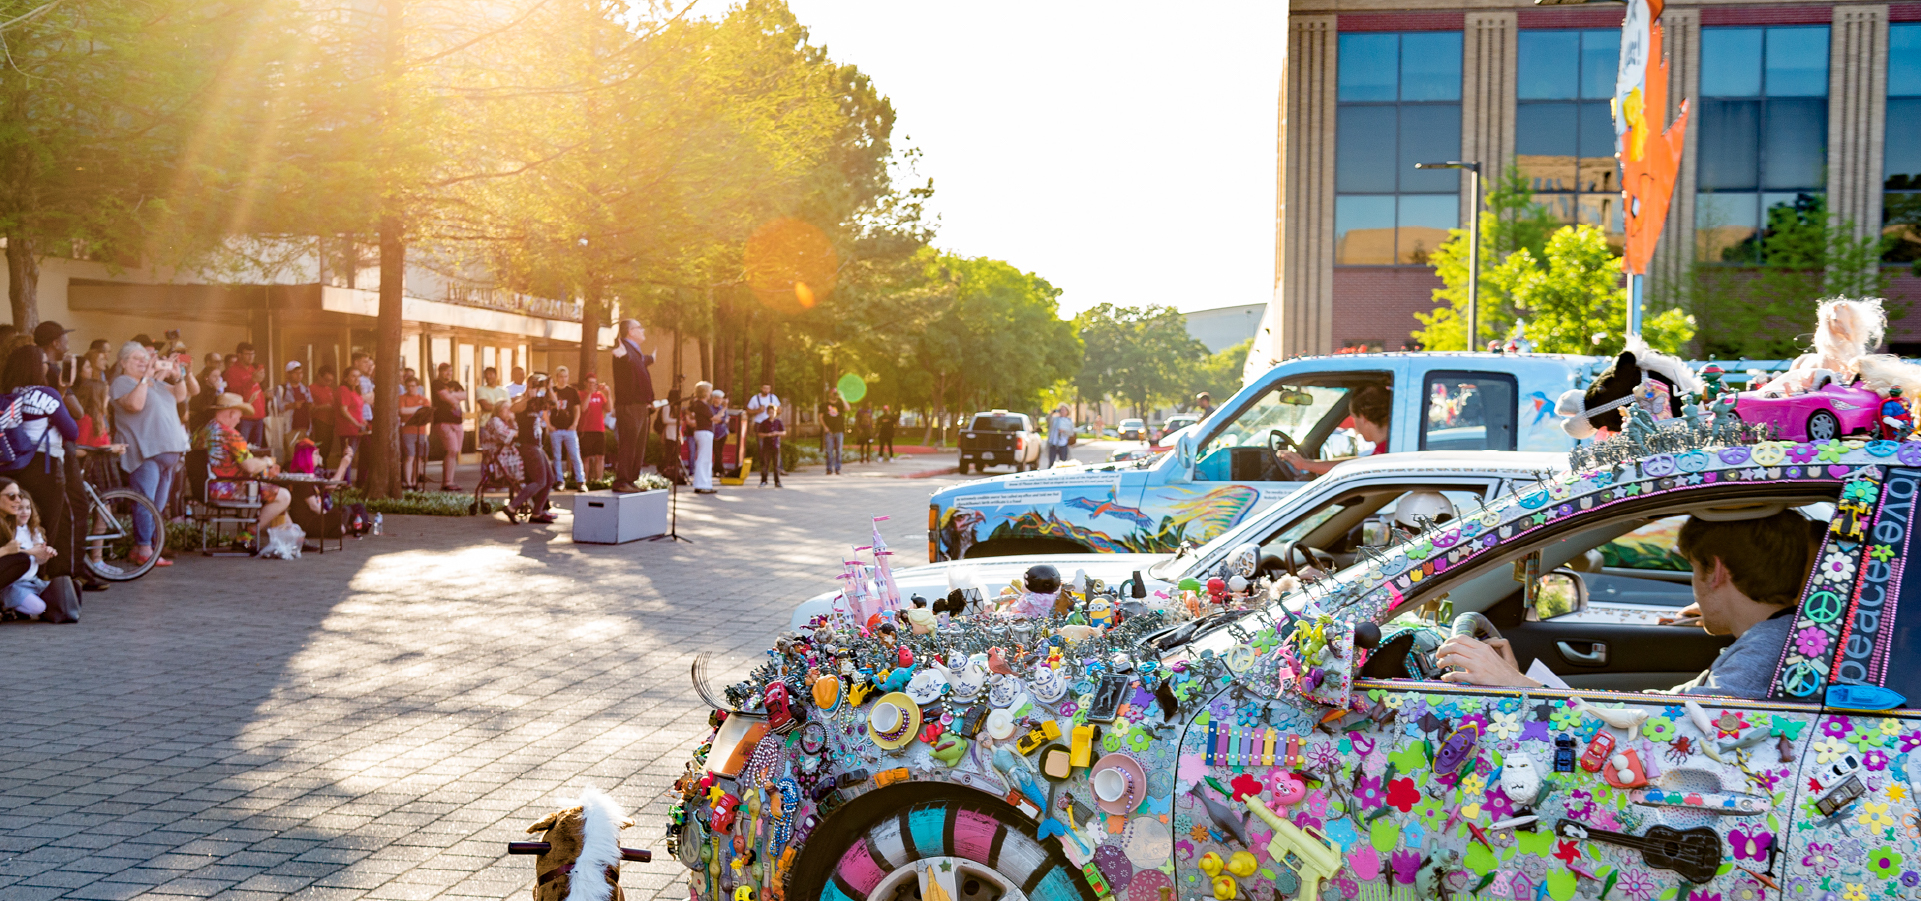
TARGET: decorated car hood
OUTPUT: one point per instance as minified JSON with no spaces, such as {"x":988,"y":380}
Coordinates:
{"x":933,"y":580}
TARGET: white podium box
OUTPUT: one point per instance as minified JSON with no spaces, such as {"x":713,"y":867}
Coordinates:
{"x":604,"y":517}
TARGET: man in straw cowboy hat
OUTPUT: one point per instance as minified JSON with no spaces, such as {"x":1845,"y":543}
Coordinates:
{"x":233,"y":463}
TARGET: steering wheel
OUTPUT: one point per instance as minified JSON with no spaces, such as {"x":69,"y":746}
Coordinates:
{"x":1474,"y":625}
{"x":1278,"y":441}
{"x":1313,"y":555}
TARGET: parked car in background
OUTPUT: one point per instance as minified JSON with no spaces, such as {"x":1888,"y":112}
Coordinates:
{"x":1216,"y":473}
{"x":1133,"y":430}
{"x":1000,"y":438}
{"x":1322,"y":521}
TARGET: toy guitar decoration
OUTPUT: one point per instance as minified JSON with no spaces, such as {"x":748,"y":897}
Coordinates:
{"x":1694,"y":853}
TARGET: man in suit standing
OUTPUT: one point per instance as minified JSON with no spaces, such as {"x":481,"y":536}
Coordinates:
{"x":633,"y":403}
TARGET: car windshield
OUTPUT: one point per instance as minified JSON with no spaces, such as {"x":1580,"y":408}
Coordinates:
{"x":1290,"y":410}
{"x":997,"y":423}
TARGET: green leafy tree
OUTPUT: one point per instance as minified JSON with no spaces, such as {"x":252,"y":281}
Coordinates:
{"x":1141,"y":355}
{"x":1512,"y":222}
{"x":1574,"y":300}
{"x":1762,"y":292}
{"x":120,"y":127}
{"x":1219,"y":374}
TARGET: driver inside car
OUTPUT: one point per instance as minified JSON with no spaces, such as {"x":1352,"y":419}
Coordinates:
{"x":1414,"y":512}
{"x":1370,"y":408}
{"x":1749,"y":566}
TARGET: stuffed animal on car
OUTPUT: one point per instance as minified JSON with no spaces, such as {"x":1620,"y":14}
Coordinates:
{"x":1640,"y":374}
{"x":584,"y":845}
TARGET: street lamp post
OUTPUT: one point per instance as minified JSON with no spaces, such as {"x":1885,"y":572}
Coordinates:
{"x":1473,"y":243}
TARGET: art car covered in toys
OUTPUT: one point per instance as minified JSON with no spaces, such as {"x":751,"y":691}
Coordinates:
{"x":1296,"y":746}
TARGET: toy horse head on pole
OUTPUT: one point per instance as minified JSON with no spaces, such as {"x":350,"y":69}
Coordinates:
{"x":582,"y":860}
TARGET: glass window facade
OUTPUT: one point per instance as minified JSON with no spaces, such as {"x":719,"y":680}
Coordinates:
{"x":1400,"y":104}
{"x":1563,"y":131}
{"x":1763,"y":132}
{"x":1901,"y":161}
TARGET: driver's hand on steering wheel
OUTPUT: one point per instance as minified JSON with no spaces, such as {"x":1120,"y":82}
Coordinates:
{"x":1472,"y":661}
{"x":1292,"y":458}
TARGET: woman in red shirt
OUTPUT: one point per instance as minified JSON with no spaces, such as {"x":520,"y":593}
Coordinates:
{"x":593,"y":425}
{"x":348,"y":427}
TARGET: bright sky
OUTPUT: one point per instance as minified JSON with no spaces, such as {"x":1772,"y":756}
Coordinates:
{"x":1124,"y":151}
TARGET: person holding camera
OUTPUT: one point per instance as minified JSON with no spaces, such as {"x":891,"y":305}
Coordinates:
{"x":146,"y":399}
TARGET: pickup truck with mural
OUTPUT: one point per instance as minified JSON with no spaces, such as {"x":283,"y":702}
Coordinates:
{"x":1218,"y":472}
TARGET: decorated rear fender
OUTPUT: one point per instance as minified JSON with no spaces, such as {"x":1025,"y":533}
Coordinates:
{"x":1254,"y":747}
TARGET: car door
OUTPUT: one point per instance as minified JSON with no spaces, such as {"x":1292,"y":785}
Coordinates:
{"x":1857,"y":828}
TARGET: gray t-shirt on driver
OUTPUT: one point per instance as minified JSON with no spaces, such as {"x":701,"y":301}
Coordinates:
{"x":1745,"y":668}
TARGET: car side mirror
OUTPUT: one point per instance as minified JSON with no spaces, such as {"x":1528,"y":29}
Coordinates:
{"x":1375,"y":533}
{"x":1557,"y":594}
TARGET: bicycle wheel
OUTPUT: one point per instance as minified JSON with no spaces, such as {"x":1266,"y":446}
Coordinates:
{"x":109,"y":541}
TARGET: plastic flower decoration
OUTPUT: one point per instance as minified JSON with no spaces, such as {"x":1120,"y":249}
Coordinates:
{"x":1836,"y":567}
{"x":1884,"y":862}
{"x":1829,"y":750}
{"x":1874,"y":816}
{"x":1658,"y":728}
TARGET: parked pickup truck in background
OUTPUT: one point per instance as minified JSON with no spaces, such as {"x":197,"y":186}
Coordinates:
{"x":1220,"y":471}
{"x":1000,"y":438}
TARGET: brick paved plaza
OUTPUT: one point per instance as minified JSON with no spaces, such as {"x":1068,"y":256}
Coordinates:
{"x":379,"y":723}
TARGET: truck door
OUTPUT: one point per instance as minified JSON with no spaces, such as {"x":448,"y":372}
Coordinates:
{"x":1235,"y":469}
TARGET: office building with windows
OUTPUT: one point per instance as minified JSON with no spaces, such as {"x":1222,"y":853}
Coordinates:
{"x":1791,"y":104}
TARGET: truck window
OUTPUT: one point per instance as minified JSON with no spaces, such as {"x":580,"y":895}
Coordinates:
{"x":997,"y":424}
{"x":1469,"y":411}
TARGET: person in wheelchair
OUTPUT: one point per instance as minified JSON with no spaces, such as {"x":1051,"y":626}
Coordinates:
{"x":1370,"y":408}
{"x":1749,"y":566}
{"x":514,"y":457}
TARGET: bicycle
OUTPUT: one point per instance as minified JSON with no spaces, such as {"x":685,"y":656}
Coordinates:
{"x":109,"y":540}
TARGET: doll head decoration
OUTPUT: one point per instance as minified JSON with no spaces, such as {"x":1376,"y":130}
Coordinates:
{"x":1639,"y":375}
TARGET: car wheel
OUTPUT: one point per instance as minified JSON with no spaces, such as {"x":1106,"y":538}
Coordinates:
{"x":956,"y":850}
{"x":1822,"y":426}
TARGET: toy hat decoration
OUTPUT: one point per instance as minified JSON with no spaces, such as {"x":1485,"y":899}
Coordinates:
{"x":1119,"y":783}
{"x":893,"y":721}
{"x":1599,"y":406}
{"x":1000,"y":723}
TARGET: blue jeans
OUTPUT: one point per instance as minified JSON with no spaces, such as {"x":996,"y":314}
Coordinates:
{"x":568,"y":440}
{"x":154,"y":478}
{"x":1057,"y":453}
{"x":830,"y":444}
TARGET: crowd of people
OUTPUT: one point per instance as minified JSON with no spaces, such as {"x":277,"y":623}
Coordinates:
{"x":130,"y":415}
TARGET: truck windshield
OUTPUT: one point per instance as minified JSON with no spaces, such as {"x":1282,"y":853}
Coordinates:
{"x":1294,"y":411}
{"x":996,"y":424}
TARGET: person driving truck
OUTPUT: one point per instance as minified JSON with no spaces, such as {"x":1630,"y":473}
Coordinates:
{"x":1749,"y":565}
{"x":1370,"y":408}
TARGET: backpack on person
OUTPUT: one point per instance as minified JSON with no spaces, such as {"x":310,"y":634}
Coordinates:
{"x":16,"y":410}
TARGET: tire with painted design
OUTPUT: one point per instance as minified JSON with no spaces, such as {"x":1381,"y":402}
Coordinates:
{"x":977,"y":849}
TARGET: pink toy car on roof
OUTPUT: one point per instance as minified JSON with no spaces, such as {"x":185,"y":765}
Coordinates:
{"x":1830,"y":411}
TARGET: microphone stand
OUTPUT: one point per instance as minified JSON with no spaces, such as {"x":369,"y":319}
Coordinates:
{"x":673,"y":485}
